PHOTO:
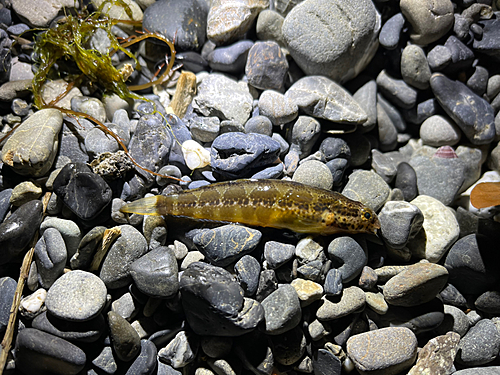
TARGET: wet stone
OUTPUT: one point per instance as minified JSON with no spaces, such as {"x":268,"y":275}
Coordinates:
{"x":34,"y":356}
{"x":184,"y":22}
{"x":17,"y":230}
{"x":345,"y":40}
{"x":480,"y":345}
{"x":387,"y":350}
{"x":230,"y":59}
{"x":156,"y":273}
{"x":85,"y":193}
{"x":145,"y":363}
{"x":237,"y":154}
{"x":277,"y":107}
{"x":437,"y":356}
{"x":4,"y":203}
{"x":470,"y":112}
{"x":125,"y":340}
{"x":76,"y":296}
{"x":50,"y":256}
{"x":352,"y":300}
{"x":282,"y":310}
{"x":349,"y":254}
{"x":226,"y":244}
{"x":220,"y":310}
{"x":321,"y":97}
{"x":247,"y":270}
{"x":399,"y":221}
{"x":266,"y":66}
{"x":418,"y":284}
{"x":180,"y":351}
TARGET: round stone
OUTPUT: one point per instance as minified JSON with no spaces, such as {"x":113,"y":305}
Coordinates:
{"x":439,"y":131}
{"x":76,"y":296}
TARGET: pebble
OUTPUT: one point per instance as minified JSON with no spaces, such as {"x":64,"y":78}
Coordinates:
{"x":462,"y":57}
{"x":230,"y":59}
{"x":124,"y":338}
{"x":31,"y":151}
{"x":277,"y":253}
{"x":480,"y":345}
{"x":282,"y":310}
{"x":399,"y":221}
{"x":85,"y":193}
{"x":247,"y":270}
{"x":214,"y":304}
{"x":396,"y":90}
{"x":470,"y":266}
{"x":437,"y":356}
{"x":224,"y":97}
{"x":17,"y":230}
{"x":266,"y":66}
{"x":352,"y":300}
{"x":126,"y":306}
{"x":260,"y":125}
{"x":50,"y":256}
{"x":326,"y":363}
{"x":156,"y":274}
{"x":387,"y":131}
{"x":314,"y":173}
{"x":69,"y":231}
{"x":414,"y":67}
{"x":390,"y":33}
{"x":376,"y":302}
{"x":345,"y":41}
{"x":322,"y":98}
{"x":366,"y":96}
{"x":308,"y":291}
{"x":145,"y":363}
{"x":429,"y":20}
{"x":268,"y":26}
{"x":470,"y":112}
{"x":7,"y":290}
{"x":304,"y":134}
{"x":350,"y":255}
{"x":439,"y":131}
{"x":227,"y":21}
{"x":277,"y":107}
{"x":454,"y":320}
{"x":368,"y":188}
{"x":387,"y":350}
{"x":488,"y":302}
{"x":439,"y":231}
{"x":183,"y":22}
{"x":34,"y":356}
{"x":180,"y":351}
{"x":226,"y":244}
{"x":419,"y":283}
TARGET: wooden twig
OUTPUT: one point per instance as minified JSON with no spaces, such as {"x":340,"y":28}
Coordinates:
{"x":23,"y":275}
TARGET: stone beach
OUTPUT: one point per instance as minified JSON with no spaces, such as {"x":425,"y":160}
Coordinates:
{"x":393,"y":103}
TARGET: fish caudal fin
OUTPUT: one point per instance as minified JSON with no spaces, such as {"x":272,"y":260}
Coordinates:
{"x":144,"y":206}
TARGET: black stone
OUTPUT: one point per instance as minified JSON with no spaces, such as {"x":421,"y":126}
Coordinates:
{"x":213,"y":302}
{"x":333,"y":283}
{"x":226,"y":244}
{"x":7,"y":290}
{"x":230,"y":59}
{"x":451,"y":296}
{"x":145,"y":363}
{"x":268,"y":283}
{"x":348,"y":255}
{"x":192,"y":61}
{"x":338,"y":167}
{"x":462,"y":56}
{"x":4,"y":202}
{"x":85,"y":193}
{"x":490,"y":41}
{"x":236,"y":154}
{"x":89,"y":331}
{"x":326,"y":363}
{"x":333,"y":148}
{"x":39,"y":352}
{"x":156,"y":273}
{"x":247,"y":270}
{"x":472,"y":114}
{"x":472,"y":264}
{"x":18,"y":229}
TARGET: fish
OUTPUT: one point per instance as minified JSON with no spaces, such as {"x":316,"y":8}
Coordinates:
{"x":271,"y":203}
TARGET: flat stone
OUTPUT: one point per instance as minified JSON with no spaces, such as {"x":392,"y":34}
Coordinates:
{"x":344,"y":42}
{"x":368,"y":188}
{"x":24,"y":192}
{"x":418,"y":284}
{"x":439,"y":231}
{"x":307,"y":290}
{"x":282,"y":310}
{"x":277,"y":253}
{"x":76,"y":296}
{"x":387,"y":350}
{"x":32,"y":148}
{"x":471,"y":113}
{"x":390,"y":33}
{"x":34,"y":354}
{"x":323,"y":98}
{"x":247,"y":270}
{"x":352,"y":300}
{"x":266,"y":66}
{"x":44,"y":15}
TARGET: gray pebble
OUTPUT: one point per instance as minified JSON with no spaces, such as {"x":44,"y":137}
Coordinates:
{"x":439,"y":131}
{"x":50,"y":256}
{"x":89,"y":105}
{"x":489,"y":302}
{"x":282,"y":310}
{"x":368,"y":188}
{"x":333,"y":283}
{"x":454,"y":320}
{"x":268,"y":26}
{"x":76,"y":296}
{"x":305,"y":132}
{"x":7,"y":290}
{"x":414,"y":67}
{"x":399,"y":222}
{"x":396,"y":90}
{"x":314,"y":173}
{"x":277,"y":107}
{"x":439,"y":58}
{"x":390,"y":32}
{"x":349,"y":254}
{"x":266,"y":66}
{"x":289,"y":347}
{"x":276,"y":253}
{"x":260,"y":125}
{"x":126,"y":306}
{"x":70,"y":232}
{"x":352,"y":300}
{"x":366,"y":96}
{"x":480,"y":345}
{"x":125,"y":340}
{"x":205,"y":129}
{"x":230,"y":59}
{"x":180,"y":351}
{"x":384,"y":165}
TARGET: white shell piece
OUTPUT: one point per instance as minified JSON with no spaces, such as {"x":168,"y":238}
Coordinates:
{"x":33,"y":303}
{"x":195,"y":155}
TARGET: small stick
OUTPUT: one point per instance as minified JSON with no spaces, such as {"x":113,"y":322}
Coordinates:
{"x":184,"y":93}
{"x":25,"y":269}
{"x":110,"y":235}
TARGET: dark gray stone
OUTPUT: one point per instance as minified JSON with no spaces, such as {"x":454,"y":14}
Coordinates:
{"x":18,"y":229}
{"x":214,"y":304}
{"x":478,"y":81}
{"x":387,"y":131}
{"x":289,"y":347}
{"x":304,"y":134}
{"x":4,"y":202}
{"x":34,"y":354}
{"x":282,"y":310}
{"x":89,"y":331}
{"x":145,"y":363}
{"x":268,"y":283}
{"x":184,"y":22}
{"x":349,"y":255}
{"x":462,"y":57}
{"x":406,"y":181}
{"x":333,"y":283}
{"x":125,"y":339}
{"x":156,"y":273}
{"x":396,"y":90}
{"x":7,"y":290}
{"x":266,"y":66}
{"x":85,"y":193}
{"x":230,"y":59}
{"x":480,"y":345}
{"x":277,"y":253}
{"x":471,"y":113}
{"x":260,"y":125}
{"x":326,"y":363}
{"x":451,"y":296}
{"x":488,"y":43}
{"x":489,"y":302}
{"x":87,"y":247}
{"x":366,"y":96}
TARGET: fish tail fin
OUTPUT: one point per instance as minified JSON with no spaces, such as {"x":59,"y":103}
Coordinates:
{"x":145,"y":206}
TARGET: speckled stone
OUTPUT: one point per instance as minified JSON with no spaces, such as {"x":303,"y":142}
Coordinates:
{"x":124,"y":337}
{"x":480,"y":345}
{"x":314,"y":173}
{"x":385,"y":351}
{"x":282,"y":310}
{"x":277,"y":107}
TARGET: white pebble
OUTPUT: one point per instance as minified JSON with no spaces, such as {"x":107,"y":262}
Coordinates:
{"x":195,"y":155}
{"x":33,"y":303}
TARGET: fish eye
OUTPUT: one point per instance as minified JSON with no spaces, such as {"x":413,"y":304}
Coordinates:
{"x":367,"y":215}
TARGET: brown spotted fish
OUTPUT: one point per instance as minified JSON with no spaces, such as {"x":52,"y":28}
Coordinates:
{"x":266,"y":203}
